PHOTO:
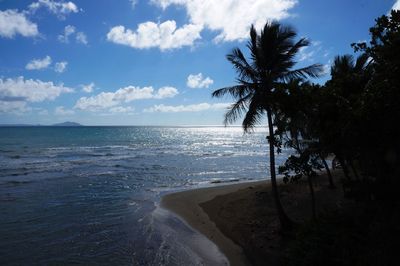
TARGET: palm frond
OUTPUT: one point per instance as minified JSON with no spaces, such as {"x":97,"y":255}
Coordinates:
{"x":236,"y":110}
{"x":342,"y":64}
{"x":266,"y":79}
{"x":314,"y":71}
{"x":285,"y":37}
{"x":253,"y":115}
{"x":241,"y":65}
{"x":253,"y":46}
{"x":296,"y":47}
{"x":236,"y":92}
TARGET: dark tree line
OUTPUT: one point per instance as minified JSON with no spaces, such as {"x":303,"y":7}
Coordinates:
{"x":354,"y":116}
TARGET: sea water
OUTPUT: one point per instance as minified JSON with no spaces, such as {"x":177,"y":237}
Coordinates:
{"x":89,"y":195}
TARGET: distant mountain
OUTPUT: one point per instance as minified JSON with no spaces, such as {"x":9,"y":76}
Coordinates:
{"x":67,"y":124}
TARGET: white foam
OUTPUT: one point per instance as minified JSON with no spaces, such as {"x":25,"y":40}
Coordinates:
{"x":184,"y":242}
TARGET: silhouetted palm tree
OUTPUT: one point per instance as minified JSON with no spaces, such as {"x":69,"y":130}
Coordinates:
{"x":298,"y":117}
{"x":260,"y":82}
{"x":349,"y":78}
{"x":294,"y":128}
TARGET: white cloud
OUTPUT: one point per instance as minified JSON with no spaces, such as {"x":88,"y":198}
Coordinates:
{"x":88,"y":88}
{"x":231,"y":18}
{"x":162,"y":35}
{"x":305,"y":54}
{"x":105,"y":100}
{"x":132,"y":93}
{"x":166,"y":92}
{"x":13,"y":23}
{"x":93,"y":103}
{"x":326,"y":68}
{"x":133,"y":3}
{"x":68,"y":31}
{"x":60,"y":110}
{"x":36,"y":64}
{"x":60,"y":67}
{"x":81,"y":38}
{"x":186,"y":108}
{"x":197,"y":81}
{"x":59,"y":8}
{"x":121,"y":109}
{"x":29,"y":90}
{"x":308,"y":53}
{"x":15,"y":107}
{"x":396,"y":6}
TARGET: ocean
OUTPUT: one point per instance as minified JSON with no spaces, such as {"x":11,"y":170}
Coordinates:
{"x":90,"y":195}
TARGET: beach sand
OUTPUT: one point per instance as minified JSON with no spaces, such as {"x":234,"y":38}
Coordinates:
{"x":241,"y":218}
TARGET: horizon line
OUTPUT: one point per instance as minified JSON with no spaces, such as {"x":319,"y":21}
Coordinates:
{"x":118,"y":125}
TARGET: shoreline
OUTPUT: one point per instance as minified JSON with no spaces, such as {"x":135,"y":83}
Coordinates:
{"x":187,"y":206}
{"x":241,"y":219}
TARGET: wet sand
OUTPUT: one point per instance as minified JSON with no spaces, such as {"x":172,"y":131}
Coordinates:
{"x":186,"y":204}
{"x":241,"y":218}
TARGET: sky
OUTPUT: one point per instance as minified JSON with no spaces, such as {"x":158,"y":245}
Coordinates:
{"x":151,"y":62}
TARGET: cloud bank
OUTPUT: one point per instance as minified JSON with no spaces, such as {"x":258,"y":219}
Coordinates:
{"x":15,"y":93}
{"x":161,"y":108}
{"x":58,"y":8}
{"x":128,"y":94}
{"x":13,"y":23}
{"x":164,"y":35}
{"x":231,"y":18}
{"x":30,"y":90}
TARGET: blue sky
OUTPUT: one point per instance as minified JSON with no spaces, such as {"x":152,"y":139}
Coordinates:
{"x":152,"y":62}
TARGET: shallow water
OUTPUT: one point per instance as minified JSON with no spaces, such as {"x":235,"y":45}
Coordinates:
{"x":88,"y":195}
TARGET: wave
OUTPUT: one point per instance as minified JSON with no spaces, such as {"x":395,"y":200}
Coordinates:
{"x":178,"y":244}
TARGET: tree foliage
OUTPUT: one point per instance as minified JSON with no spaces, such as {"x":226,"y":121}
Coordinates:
{"x":262,"y":80}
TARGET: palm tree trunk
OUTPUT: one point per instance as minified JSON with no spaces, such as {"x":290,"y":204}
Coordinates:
{"x":310,"y":185}
{"x":331,"y":184}
{"x":286,"y":223}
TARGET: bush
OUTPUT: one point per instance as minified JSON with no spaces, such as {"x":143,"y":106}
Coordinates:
{"x":354,"y":235}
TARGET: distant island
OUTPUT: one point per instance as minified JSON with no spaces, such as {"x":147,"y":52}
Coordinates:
{"x":67,"y":124}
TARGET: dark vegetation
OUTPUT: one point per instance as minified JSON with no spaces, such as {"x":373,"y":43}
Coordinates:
{"x":353,"y":118}
{"x":260,"y":82}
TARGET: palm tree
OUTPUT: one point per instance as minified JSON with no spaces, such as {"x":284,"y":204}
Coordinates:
{"x":299,"y":117}
{"x":293,"y":126}
{"x":260,"y":82}
{"x":349,"y":78}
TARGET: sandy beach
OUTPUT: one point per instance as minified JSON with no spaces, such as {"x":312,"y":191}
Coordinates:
{"x":241,"y":219}
{"x":186,"y":204}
